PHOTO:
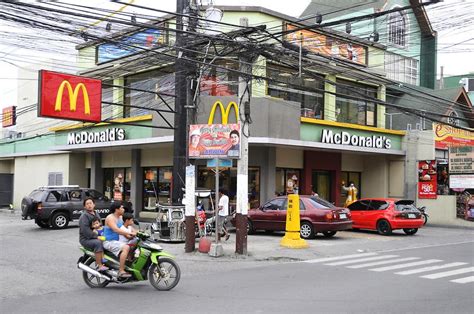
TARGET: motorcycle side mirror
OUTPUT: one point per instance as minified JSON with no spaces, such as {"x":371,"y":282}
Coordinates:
{"x":136,"y":222}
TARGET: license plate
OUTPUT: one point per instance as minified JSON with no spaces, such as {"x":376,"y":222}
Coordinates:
{"x":411,"y":216}
{"x":342,"y":216}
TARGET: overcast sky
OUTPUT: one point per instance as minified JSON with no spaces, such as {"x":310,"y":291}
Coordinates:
{"x":454,"y":61}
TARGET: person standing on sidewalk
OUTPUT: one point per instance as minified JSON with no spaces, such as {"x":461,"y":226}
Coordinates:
{"x":223,"y":213}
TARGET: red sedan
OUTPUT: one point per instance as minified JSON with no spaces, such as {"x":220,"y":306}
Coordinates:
{"x":385,"y":215}
{"x":316,"y":216}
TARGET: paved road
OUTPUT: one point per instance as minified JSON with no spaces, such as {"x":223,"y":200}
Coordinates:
{"x":354,"y":272}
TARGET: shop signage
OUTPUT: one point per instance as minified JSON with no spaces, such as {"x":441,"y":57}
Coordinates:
{"x":85,"y":137}
{"x":224,"y":163}
{"x":345,"y":138}
{"x":461,"y":181}
{"x":214,"y":141}
{"x":9,"y":116}
{"x":69,"y":97}
{"x":326,"y":45}
{"x":447,"y":136}
{"x":427,"y":182}
{"x":461,"y":159}
{"x":145,"y":40}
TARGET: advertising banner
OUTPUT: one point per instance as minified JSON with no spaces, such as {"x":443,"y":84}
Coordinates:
{"x":326,"y":45}
{"x":447,"y":136}
{"x":461,"y":160}
{"x":70,"y":97}
{"x":208,"y":141}
{"x":427,"y":181}
{"x":8,"y":116}
{"x":461,"y":181}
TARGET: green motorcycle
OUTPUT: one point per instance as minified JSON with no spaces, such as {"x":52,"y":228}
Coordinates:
{"x":149,"y":262}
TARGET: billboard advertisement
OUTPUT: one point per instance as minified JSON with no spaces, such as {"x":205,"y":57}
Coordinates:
{"x":208,"y":141}
{"x":427,"y":180}
{"x":70,"y":97}
{"x":447,"y":136}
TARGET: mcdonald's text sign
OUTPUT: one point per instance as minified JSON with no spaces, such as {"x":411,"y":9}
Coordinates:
{"x":69,"y":97}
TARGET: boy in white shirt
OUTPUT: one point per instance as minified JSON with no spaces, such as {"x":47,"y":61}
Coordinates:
{"x":128,"y":227}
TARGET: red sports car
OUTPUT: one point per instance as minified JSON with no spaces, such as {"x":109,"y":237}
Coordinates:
{"x":385,"y":215}
{"x":316,"y":216}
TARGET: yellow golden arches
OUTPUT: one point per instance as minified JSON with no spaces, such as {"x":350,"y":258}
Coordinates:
{"x":224,"y":112}
{"x":72,"y":97}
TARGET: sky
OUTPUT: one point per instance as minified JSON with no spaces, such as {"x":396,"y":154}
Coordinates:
{"x":451,"y":58}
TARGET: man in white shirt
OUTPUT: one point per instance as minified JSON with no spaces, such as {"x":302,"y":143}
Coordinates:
{"x":223,"y":213}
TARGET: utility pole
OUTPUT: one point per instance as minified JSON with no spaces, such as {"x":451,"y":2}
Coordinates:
{"x":180,"y":121}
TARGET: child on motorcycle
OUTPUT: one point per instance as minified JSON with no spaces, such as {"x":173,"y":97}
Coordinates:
{"x":128,"y":227}
{"x":97,"y":228}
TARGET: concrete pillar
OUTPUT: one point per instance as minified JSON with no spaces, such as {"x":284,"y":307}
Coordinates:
{"x":97,"y":173}
{"x":136,"y":186}
{"x":330,"y":99}
{"x":269,"y":176}
{"x":381,"y":94}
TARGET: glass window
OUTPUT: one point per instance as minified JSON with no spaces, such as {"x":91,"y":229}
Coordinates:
{"x":53,"y":196}
{"x":318,"y":202}
{"x":359,"y":205}
{"x":219,"y":81}
{"x":355,"y":111}
{"x":117,"y":183}
{"x":275,"y":204}
{"x":160,"y":80}
{"x":156,"y":186}
{"x":75,"y":195}
{"x":311,"y":100}
{"x":397,"y":25}
{"x":287,"y":181}
{"x":378,"y":205}
{"x":94,"y":194}
{"x":348,"y":177}
{"x":402,"y":69}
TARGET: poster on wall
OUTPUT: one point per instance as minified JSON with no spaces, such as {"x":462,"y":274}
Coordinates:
{"x":427,"y":180}
{"x":207,"y":141}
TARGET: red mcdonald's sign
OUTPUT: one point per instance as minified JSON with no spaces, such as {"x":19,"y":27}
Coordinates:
{"x":70,"y":97}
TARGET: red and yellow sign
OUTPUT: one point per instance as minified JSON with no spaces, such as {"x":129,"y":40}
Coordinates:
{"x":70,"y":97}
{"x":427,"y":182}
{"x":447,"y":136}
{"x":9,"y":116}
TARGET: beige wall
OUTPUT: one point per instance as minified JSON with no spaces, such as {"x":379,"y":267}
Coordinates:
{"x":113,"y":159}
{"x":442,"y":211}
{"x":157,"y":157}
{"x":374,"y":178}
{"x":289,"y":158}
{"x":352,"y":162}
{"x":396,"y":178}
{"x":6,"y":166}
{"x":32,"y":172}
{"x":77,"y":170}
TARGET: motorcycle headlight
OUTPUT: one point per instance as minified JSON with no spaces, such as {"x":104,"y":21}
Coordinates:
{"x":154,"y":246}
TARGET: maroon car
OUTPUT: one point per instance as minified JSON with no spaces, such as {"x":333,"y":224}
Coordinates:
{"x":316,"y":216}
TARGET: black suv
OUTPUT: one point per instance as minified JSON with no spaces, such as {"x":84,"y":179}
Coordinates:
{"x":55,"y":206}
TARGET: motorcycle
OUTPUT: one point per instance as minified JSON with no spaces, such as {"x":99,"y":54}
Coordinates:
{"x":424,"y":214}
{"x":149,"y":262}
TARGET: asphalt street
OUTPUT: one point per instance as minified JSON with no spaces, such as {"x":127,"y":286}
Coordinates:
{"x":352,"y":273}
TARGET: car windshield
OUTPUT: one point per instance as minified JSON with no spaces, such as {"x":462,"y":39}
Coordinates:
{"x":404,"y":205}
{"x":320,"y":203}
{"x":36,"y":195}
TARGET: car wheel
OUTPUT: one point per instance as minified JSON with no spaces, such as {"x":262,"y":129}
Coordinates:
{"x":306,"y":230}
{"x":250,"y":228}
{"x":59,"y":221}
{"x":329,"y":234}
{"x":383,"y":227}
{"x":410,"y":231}
{"x":42,"y":224}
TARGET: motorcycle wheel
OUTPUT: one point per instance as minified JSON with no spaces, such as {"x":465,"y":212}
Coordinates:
{"x":425,"y":219}
{"x":91,"y":280}
{"x":164,"y":276}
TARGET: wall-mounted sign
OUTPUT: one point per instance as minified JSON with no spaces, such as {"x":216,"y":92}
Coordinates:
{"x":138,"y":42}
{"x":9,"y":116}
{"x":427,"y":181}
{"x":224,"y":163}
{"x":70,"y":97}
{"x":86,"y":137}
{"x":327,"y":46}
{"x":447,"y":136}
{"x":345,"y":138}
{"x":208,"y":141}
{"x":461,"y":181}
{"x":461,"y":159}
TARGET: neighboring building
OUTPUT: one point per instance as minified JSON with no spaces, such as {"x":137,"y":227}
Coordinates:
{"x":407,"y":35}
{"x":465,"y":80}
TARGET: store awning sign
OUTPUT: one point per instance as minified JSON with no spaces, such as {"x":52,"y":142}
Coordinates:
{"x":427,"y":180}
{"x":70,"y":97}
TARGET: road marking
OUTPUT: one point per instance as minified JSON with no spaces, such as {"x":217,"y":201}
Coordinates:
{"x":406,"y":259}
{"x":366,"y":259}
{"x":425,"y":269}
{"x":464,"y":280}
{"x":449,"y":273}
{"x":429,"y":261}
{"x":427,"y":246}
{"x":328,"y":259}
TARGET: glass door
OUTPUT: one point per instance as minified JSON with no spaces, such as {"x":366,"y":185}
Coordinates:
{"x":321,"y":184}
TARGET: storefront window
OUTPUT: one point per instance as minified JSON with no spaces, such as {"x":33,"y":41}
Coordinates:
{"x":156,"y":186}
{"x":117,"y":183}
{"x":442,"y":172}
{"x":355,"y":111}
{"x":219,"y":81}
{"x":346,"y":179}
{"x":287,"y":181}
{"x":161,"y":80}
{"x":311,"y":100}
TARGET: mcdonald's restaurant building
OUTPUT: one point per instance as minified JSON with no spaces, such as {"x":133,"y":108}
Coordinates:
{"x":299,"y":141}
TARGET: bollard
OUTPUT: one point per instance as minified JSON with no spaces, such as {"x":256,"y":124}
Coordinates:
{"x":292,"y":237}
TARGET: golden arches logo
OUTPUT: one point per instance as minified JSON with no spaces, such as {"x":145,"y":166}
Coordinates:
{"x":73,"y":94}
{"x":224,"y":112}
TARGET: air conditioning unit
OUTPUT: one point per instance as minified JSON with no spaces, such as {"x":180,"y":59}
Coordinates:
{"x":467,"y":83}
